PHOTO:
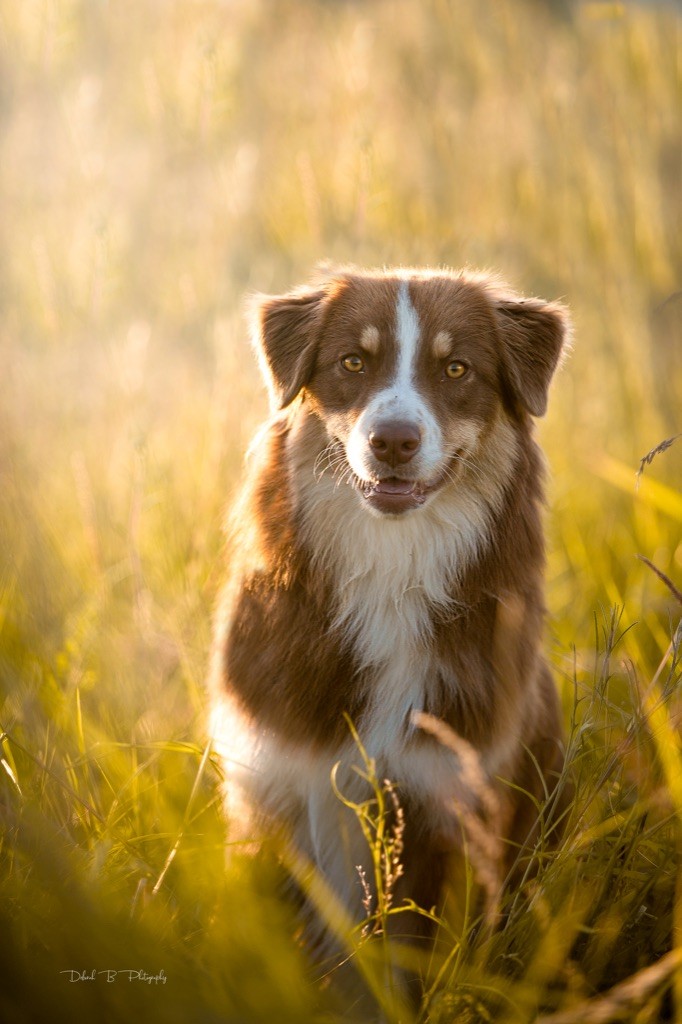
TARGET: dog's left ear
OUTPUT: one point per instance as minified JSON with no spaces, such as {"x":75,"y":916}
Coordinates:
{"x":533,"y":335}
{"x":286,"y":331}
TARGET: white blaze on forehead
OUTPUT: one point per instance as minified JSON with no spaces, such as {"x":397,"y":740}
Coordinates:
{"x":400,"y":399}
{"x":407,"y":336}
{"x":369,"y":339}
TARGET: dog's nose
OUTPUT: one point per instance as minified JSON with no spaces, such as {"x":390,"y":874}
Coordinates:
{"x":395,"y":442}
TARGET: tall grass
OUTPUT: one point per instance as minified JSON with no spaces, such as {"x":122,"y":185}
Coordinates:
{"x":157,"y":161}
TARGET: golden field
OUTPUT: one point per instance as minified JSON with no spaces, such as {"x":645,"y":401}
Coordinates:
{"x":158,"y":162}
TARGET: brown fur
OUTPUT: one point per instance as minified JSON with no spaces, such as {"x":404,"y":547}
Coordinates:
{"x":284,"y":665}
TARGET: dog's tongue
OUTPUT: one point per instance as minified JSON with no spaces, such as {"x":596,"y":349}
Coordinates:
{"x":393,"y":486}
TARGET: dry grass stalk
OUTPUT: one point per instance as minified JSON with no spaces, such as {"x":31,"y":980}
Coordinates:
{"x":391,"y":863}
{"x":647,"y":459}
{"x":663,"y":578}
{"x":479,"y":817}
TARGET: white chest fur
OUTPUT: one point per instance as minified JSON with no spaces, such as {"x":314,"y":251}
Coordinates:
{"x":392,"y":575}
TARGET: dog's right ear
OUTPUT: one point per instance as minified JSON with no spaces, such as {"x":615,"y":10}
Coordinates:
{"x":286,"y":329}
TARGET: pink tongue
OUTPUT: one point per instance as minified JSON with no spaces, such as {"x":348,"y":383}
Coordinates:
{"x":394,"y":486}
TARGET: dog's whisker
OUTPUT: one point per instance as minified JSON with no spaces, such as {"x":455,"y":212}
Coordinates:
{"x":328,"y":454}
{"x":346,"y":476}
{"x":469,"y":463}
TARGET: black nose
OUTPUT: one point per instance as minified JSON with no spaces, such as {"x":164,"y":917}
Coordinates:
{"x":395,"y":442}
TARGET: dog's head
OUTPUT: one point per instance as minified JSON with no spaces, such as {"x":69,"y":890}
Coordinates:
{"x":408,"y":371}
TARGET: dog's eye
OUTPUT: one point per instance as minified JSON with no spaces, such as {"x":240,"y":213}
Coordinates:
{"x":353,"y":364}
{"x":455,"y":369}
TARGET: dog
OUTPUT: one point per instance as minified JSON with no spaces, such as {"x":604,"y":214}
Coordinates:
{"x":385,"y":569}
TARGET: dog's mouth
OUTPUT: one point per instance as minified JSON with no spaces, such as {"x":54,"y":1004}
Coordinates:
{"x":393,"y":496}
{"x":390,"y":495}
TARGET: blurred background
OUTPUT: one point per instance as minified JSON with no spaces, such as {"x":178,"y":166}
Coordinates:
{"x":160,"y":160}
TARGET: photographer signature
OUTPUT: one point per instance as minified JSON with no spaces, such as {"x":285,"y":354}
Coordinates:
{"x":111,"y":976}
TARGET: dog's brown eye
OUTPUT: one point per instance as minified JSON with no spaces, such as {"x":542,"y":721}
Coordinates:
{"x":353,"y":364}
{"x":455,"y":370}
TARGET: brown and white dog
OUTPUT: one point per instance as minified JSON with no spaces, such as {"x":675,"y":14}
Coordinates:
{"x":387,"y":558}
